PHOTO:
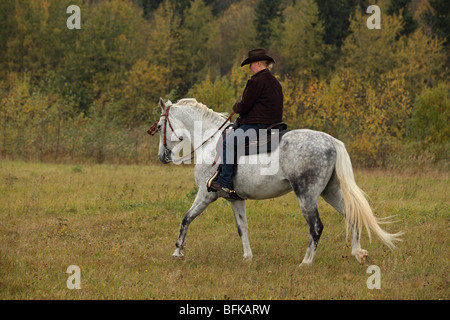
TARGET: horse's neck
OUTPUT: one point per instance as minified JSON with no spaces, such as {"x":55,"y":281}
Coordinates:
{"x":201,"y":128}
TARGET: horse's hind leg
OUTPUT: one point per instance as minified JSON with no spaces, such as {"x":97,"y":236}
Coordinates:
{"x":333,"y":195}
{"x":308,"y":205}
{"x":240,"y":216}
{"x":202,"y":200}
{"x":315,"y":230}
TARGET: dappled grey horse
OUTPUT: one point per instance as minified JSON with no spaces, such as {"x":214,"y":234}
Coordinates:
{"x":310,"y":163}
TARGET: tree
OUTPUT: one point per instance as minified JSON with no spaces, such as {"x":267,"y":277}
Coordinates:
{"x":237,"y":35}
{"x":141,"y":86}
{"x":437,"y":17}
{"x":34,"y":41}
{"x":149,"y":6}
{"x":300,"y":43}
{"x":403,"y":7}
{"x":195,"y":34}
{"x":218,"y":94}
{"x":422,"y":61}
{"x":165,"y":44}
{"x":7,"y":30}
{"x":266,"y":11}
{"x":429,"y":122}
{"x":92,"y":67}
{"x":370,"y":53}
{"x":335,"y":16}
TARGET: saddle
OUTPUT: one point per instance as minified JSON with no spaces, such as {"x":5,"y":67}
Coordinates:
{"x":260,"y":145}
{"x":264,"y":144}
{"x":256,"y":146}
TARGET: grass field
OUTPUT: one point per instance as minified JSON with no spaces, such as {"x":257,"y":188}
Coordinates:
{"x":119,"y":224}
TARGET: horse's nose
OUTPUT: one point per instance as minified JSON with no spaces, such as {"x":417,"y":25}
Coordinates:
{"x":165,"y":157}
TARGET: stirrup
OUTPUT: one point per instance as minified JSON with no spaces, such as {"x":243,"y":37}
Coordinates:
{"x":233,"y":195}
{"x":210,"y":181}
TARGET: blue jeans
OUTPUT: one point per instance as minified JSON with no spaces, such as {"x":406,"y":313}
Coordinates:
{"x":234,"y":146}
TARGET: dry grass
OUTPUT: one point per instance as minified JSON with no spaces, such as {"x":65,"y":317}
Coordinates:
{"x":119,"y":225}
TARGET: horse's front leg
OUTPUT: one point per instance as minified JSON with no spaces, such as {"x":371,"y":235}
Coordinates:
{"x":202,"y":200}
{"x":240,"y":215}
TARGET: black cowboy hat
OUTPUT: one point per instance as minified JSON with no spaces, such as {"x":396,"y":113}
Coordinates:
{"x":257,"y":55}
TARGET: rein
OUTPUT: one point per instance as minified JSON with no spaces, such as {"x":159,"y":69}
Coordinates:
{"x":154,"y":128}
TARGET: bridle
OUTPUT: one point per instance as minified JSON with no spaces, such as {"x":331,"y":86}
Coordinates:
{"x":154,"y":128}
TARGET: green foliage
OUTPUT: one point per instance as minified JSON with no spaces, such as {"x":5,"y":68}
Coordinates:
{"x":403,"y":7}
{"x":219,"y":93}
{"x":196,"y":33}
{"x":369,"y":119}
{"x":370,"y":53}
{"x":437,"y":16}
{"x":335,"y":15}
{"x":266,"y":11}
{"x":430,"y":118}
{"x":237,"y":33}
{"x":300,"y":43}
{"x":90,"y":94}
{"x":96,"y":66}
{"x":165,"y":46}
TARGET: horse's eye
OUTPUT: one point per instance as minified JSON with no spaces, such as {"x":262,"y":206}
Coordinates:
{"x":159,"y":127}
{"x":181,"y":138}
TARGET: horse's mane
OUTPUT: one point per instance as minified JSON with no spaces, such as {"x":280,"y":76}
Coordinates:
{"x":205,"y":111}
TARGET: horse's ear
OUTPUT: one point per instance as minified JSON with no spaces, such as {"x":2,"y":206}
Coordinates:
{"x":162,"y":104}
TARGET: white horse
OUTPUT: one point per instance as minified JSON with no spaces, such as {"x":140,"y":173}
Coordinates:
{"x":310,"y":163}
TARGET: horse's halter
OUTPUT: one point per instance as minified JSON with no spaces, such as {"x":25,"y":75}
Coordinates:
{"x":154,"y":128}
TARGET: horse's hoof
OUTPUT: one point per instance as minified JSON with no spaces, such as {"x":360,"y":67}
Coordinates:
{"x":305,"y":264}
{"x":248,"y":259}
{"x":178,"y":254}
{"x":362,"y":256}
{"x":365,"y":259}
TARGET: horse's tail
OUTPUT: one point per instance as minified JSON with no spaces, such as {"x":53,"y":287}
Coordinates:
{"x":357,"y":208}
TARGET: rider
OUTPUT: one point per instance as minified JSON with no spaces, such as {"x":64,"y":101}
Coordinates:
{"x":261,"y":106}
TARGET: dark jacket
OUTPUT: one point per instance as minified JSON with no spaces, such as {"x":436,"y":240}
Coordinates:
{"x":262,"y":100}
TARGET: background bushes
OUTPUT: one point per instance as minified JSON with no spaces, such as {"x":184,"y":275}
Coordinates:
{"x":90,"y":94}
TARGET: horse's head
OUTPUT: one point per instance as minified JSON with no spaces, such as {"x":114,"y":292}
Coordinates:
{"x":169,"y":128}
{"x":178,"y":128}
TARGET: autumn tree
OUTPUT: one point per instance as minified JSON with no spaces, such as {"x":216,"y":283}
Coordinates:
{"x":236,"y":37}
{"x":428,"y":125}
{"x":403,"y":8}
{"x":164,"y":45}
{"x":33,"y":37}
{"x":195,"y":34}
{"x":8,"y":27}
{"x":94,"y":67}
{"x":89,"y":94}
{"x":217,"y":94}
{"x":371,"y":53}
{"x":299,"y":41}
